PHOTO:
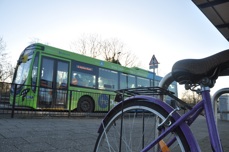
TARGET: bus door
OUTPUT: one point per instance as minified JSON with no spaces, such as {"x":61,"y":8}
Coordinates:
{"x":53,"y":83}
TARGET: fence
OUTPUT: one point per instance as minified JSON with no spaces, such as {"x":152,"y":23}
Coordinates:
{"x":51,"y":102}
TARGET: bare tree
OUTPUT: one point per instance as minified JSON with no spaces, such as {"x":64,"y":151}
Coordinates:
{"x":191,"y":97}
{"x":130,"y":60}
{"x":6,"y":69}
{"x":89,"y":45}
{"x":111,"y":50}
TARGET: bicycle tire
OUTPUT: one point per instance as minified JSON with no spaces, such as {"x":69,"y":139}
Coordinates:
{"x":109,"y":136}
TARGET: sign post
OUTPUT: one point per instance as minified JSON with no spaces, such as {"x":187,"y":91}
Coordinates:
{"x":153,"y":64}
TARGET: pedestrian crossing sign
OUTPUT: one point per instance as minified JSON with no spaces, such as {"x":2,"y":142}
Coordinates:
{"x":153,"y":63}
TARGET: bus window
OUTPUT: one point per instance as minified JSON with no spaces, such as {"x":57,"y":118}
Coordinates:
{"x":35,"y":72}
{"x":143,"y":82}
{"x":108,"y":79}
{"x":127,"y":81}
{"x":83,"y":74}
{"x":131,"y":81}
{"x":47,"y":73}
{"x":155,"y":83}
{"x":62,"y":75}
{"x":83,"y":79}
{"x":46,"y":82}
{"x":123,"y":81}
{"x":61,"y":83}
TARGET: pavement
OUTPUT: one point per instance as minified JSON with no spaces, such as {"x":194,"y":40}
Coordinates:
{"x":62,"y":134}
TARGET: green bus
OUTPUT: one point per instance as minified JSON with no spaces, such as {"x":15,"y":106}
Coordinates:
{"x":50,"y":78}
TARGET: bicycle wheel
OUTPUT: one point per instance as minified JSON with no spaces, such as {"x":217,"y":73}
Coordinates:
{"x":133,"y":125}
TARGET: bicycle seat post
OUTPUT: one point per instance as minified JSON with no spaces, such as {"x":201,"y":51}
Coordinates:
{"x":210,"y":118}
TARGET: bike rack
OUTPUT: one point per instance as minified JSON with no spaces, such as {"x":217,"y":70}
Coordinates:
{"x":165,"y":82}
{"x":215,"y":98}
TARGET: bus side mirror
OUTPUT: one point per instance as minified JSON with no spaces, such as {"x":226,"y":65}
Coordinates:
{"x":24,"y":58}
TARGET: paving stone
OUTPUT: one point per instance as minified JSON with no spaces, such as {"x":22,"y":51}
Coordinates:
{"x":75,"y":134}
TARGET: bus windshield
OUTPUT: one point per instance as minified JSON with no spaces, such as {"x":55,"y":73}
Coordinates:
{"x":23,"y":66}
{"x":22,"y":72}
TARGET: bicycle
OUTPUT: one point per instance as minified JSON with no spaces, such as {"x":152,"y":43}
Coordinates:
{"x":142,"y":122}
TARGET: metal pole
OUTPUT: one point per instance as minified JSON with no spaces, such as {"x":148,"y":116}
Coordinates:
{"x":154,"y":77}
{"x":214,"y":100}
{"x":14,"y":100}
{"x":70,"y":104}
{"x":109,"y":102}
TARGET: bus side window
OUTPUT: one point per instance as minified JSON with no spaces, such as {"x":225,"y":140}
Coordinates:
{"x":83,"y":79}
{"x":74,"y":81}
{"x":108,"y":79}
{"x":131,"y":81}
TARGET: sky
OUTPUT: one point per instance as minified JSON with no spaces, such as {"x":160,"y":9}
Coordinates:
{"x":170,"y":30}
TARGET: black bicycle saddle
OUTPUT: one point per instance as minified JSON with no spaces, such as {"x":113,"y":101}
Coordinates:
{"x":192,"y":71}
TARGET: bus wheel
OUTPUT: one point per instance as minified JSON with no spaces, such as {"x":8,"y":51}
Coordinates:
{"x":85,"y":104}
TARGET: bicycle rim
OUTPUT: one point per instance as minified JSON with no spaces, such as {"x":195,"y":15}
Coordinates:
{"x":134,"y":126}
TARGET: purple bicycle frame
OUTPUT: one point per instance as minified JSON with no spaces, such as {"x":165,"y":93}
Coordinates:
{"x":212,"y":129}
{"x":190,"y":117}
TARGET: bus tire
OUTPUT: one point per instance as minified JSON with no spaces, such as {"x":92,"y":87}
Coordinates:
{"x":85,"y":104}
